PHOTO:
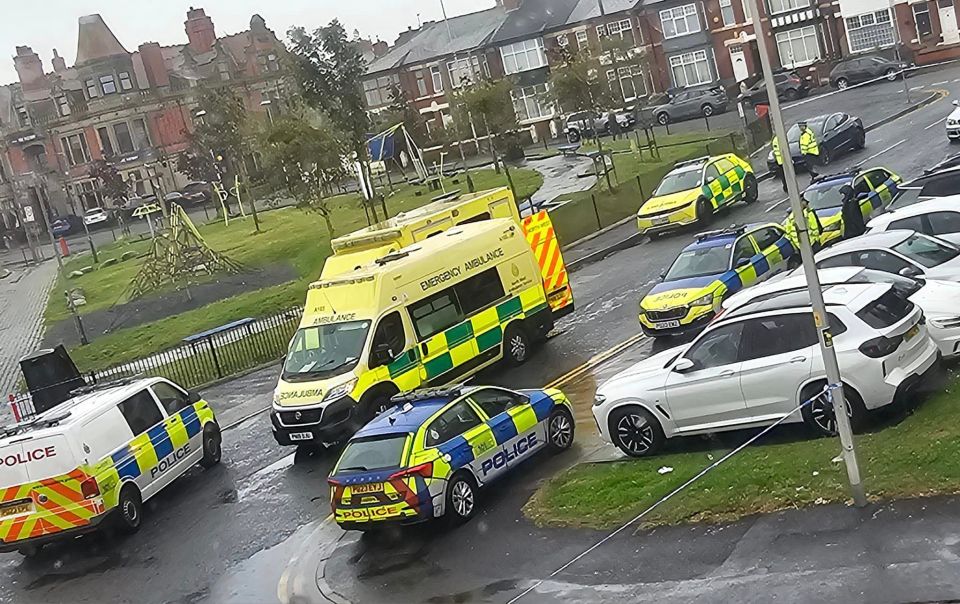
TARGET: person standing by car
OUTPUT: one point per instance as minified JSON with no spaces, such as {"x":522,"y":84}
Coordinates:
{"x":613,"y":124}
{"x":809,"y":148}
{"x":814,"y":228}
{"x":852,"y":214}
{"x":777,"y":155}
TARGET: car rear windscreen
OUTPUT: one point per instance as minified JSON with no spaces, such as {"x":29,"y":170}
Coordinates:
{"x":889,"y":309}
{"x":370,"y":454}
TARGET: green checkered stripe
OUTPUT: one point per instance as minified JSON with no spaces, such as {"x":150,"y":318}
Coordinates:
{"x":726,"y":188}
{"x":477,"y":335}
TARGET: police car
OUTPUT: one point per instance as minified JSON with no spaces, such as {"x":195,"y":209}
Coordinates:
{"x":875,"y":188}
{"x":97,"y":457}
{"x":694,"y":190}
{"x":716,"y":265}
{"x":428,"y":456}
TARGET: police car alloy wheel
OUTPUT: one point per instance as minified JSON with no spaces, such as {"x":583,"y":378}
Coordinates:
{"x":461,"y":499}
{"x":560,"y":430}
{"x":635,"y":431}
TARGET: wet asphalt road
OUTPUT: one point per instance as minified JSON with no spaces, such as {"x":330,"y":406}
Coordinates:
{"x":248,"y":531}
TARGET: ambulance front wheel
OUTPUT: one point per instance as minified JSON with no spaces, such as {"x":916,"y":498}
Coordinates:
{"x":704,"y":212}
{"x":461,"y":499}
{"x":751,"y":189}
{"x":211,"y":446}
{"x":130,"y":509}
{"x":516,"y":345}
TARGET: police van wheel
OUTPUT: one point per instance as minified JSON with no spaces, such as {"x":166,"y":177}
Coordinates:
{"x":211,"y":446}
{"x":129,"y":509}
{"x":704,"y":212}
{"x":516,"y":345}
{"x":750,"y":188}
{"x":560,"y":428}
{"x":461,"y":499}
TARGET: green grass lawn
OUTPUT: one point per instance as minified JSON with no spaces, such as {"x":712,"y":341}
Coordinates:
{"x":635,"y":179}
{"x":917,"y":457}
{"x":287,"y":235}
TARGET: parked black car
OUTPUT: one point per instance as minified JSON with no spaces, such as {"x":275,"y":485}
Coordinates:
{"x":790,"y":87}
{"x":863,"y":69}
{"x":66,"y":225}
{"x":837,"y":133}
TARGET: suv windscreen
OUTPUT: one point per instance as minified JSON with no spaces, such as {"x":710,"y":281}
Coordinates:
{"x":325,"y":350}
{"x":905,"y":197}
{"x":926,"y":251}
{"x":678,"y":181}
{"x":365,"y":455}
{"x":889,"y":309}
{"x":700,"y":263}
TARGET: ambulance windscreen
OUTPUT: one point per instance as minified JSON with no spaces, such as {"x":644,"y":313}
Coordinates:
{"x":322,"y":351}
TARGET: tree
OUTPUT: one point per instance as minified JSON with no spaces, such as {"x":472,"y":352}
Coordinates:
{"x":112,"y":184}
{"x":583,"y":82}
{"x":329,"y":68}
{"x":305,"y":156}
{"x":487,"y":106}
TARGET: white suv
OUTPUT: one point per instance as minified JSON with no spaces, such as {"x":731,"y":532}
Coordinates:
{"x":755,"y":364}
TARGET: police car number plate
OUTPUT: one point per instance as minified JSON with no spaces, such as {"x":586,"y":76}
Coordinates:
{"x":360,"y":489}
{"x":301,"y":436}
{"x":661,"y":220}
{"x":16,"y":508}
{"x":667,"y":325}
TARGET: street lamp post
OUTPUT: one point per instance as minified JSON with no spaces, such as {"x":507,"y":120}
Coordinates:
{"x":821,"y":318}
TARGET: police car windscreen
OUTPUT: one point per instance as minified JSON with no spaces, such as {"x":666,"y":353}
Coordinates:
{"x":34,"y":459}
{"x":825,"y":197}
{"x":322,"y":351}
{"x":699,"y":263}
{"x":675,"y":182}
{"x":370,"y":454}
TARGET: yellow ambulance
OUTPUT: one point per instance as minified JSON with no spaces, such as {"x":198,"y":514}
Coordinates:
{"x":427,"y":314}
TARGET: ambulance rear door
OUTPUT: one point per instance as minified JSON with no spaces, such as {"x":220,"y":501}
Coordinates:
{"x":542,"y":238}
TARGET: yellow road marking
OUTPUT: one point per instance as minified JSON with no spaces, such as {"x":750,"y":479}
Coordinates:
{"x":594,"y":362}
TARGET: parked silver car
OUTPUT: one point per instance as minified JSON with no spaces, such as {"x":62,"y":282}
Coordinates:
{"x":691,"y":103}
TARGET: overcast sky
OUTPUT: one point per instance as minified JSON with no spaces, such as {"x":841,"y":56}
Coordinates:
{"x":49,"y":24}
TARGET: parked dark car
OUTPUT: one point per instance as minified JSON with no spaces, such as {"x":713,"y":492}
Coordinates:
{"x":863,"y":69}
{"x":790,"y":87}
{"x":590,"y":123}
{"x":837,"y":133}
{"x":197,"y":192}
{"x":689,"y":103}
{"x":66,"y":225}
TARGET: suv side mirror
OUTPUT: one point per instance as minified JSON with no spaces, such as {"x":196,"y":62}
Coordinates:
{"x":910,"y":271}
{"x":683,"y":366}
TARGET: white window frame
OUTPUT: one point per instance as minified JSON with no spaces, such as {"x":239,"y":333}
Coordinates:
{"x":617,"y":29}
{"x":421,"y":79}
{"x":465,"y":66}
{"x":532,"y":103}
{"x":84,"y":149}
{"x":791,"y":36}
{"x":63,"y":106}
{"x":583,"y":40}
{"x":436,"y":78}
{"x":870,"y":31}
{"x":786,"y":6}
{"x":377,"y":91}
{"x":683,"y":21}
{"x":525,"y":55}
{"x":632,"y":74}
{"x":563,"y":41}
{"x":747,"y":15}
{"x":692,"y":59}
{"x":727,"y":14}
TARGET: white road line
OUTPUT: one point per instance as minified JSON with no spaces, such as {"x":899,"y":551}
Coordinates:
{"x":957,"y":80}
{"x":939,"y":121}
{"x":939,"y":83}
{"x":915,"y":88}
{"x":876,"y":155}
{"x":777,"y":204}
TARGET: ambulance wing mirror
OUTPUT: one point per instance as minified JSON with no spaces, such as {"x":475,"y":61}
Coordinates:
{"x":382,"y":355}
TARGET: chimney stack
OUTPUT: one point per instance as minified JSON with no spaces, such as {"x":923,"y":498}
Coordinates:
{"x":380,"y":48}
{"x":59,"y":65}
{"x":30,"y":69}
{"x":153,"y":65}
{"x":200,"y":31}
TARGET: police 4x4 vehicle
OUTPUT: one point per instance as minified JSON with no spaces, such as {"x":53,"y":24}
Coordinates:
{"x":716,"y":265}
{"x":694,"y":190}
{"x":100,"y":455}
{"x":430,"y":314}
{"x":874,"y":188}
{"x":427,"y":457}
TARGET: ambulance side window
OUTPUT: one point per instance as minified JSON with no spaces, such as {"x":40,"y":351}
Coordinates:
{"x":452,"y":423}
{"x":141,"y":412}
{"x":435,"y":314}
{"x":389,"y":340}
{"x":480,"y":291}
{"x":711,"y":174}
{"x":172,"y":399}
{"x":477,"y":218}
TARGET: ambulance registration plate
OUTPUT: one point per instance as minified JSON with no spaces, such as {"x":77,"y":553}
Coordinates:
{"x":301,"y":436}
{"x":661,"y":220}
{"x":15,"y":508}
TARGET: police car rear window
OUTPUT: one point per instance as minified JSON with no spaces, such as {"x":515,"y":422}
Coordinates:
{"x":367,"y":455}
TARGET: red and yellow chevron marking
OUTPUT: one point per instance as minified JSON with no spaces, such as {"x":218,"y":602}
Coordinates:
{"x":539,"y":232}
{"x":58,"y":505}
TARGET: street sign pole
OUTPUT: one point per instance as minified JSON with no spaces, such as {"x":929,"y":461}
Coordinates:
{"x":821,"y":317}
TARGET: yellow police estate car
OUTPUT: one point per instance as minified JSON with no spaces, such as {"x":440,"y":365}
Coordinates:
{"x":875,"y":188}
{"x":427,"y":457}
{"x":716,"y":265}
{"x":694,"y":190}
